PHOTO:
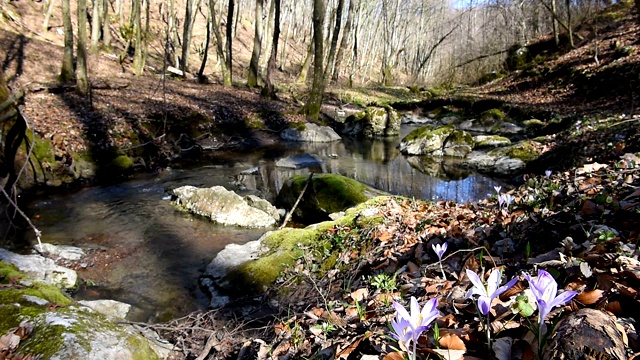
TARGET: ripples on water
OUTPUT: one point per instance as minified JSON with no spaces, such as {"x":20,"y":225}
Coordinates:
{"x":171,"y":248}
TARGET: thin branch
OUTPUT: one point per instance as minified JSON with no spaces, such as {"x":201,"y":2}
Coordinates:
{"x":290,"y":213}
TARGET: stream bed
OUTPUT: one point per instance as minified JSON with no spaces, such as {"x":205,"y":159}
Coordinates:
{"x":162,"y":251}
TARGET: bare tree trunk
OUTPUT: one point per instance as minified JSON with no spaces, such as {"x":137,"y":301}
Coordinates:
{"x":66,"y":72}
{"x":271,"y":67}
{"x":47,"y":16}
{"x":106,"y":30}
{"x":82,"y":82}
{"x":95,"y":24}
{"x":138,"y":56}
{"x":186,"y":36}
{"x":314,"y":103}
{"x":343,"y":42}
{"x":302,"y":77}
{"x":570,"y":27}
{"x":254,"y":64}
{"x":334,"y":42}
{"x":226,"y":71}
{"x":230,"y":40}
{"x":283,"y":53}
{"x":201,"y":77}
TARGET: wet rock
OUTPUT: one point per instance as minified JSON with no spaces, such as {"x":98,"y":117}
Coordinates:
{"x":444,"y":140}
{"x":299,"y":161}
{"x":311,"y":133}
{"x":505,"y":161}
{"x":66,"y":331}
{"x":109,"y":308}
{"x":412,"y":118}
{"x":61,"y":251}
{"x":41,"y":269}
{"x":373,"y":122}
{"x":489,"y":141}
{"x":223,"y":206}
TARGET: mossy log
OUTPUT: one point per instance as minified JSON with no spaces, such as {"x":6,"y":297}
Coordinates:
{"x":585,"y":334}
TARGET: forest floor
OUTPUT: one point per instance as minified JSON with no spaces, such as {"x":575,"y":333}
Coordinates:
{"x":581,"y":222}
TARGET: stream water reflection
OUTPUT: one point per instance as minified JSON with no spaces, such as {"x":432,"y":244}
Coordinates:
{"x":165,"y":250}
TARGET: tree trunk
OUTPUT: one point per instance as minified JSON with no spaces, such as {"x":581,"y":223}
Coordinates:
{"x":230,"y":40}
{"x":343,"y":42}
{"x":312,"y":107}
{"x":82,"y":82}
{"x":254,"y":64}
{"x":47,"y":16}
{"x":95,"y":24}
{"x":569,"y":26}
{"x":66,"y":73}
{"x":226,"y":72}
{"x":201,"y":78}
{"x":302,"y":77}
{"x":106,"y":30}
{"x":271,"y":67}
{"x":186,"y":36}
{"x":138,"y":56}
{"x":334,"y":42}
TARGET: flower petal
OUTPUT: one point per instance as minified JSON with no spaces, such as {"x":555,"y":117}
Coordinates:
{"x":401,"y":311}
{"x":505,"y":287}
{"x":484,"y":304}
{"x":493,"y":282}
{"x":415,"y":313}
{"x":563,"y":298}
{"x":477,"y":283}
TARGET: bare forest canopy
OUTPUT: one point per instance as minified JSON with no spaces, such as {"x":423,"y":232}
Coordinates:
{"x":390,"y":42}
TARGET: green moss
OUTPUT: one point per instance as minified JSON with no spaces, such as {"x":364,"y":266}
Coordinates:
{"x":429,"y":132}
{"x":142,"y":349}
{"x":300,"y":126}
{"x":458,"y":137}
{"x":42,"y":148}
{"x":492,"y":140}
{"x":524,"y":150}
{"x":122,"y":162}
{"x":8,"y":272}
{"x":534,"y":123}
{"x":492,"y":114}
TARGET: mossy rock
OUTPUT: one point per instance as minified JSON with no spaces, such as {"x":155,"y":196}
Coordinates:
{"x":286,"y":246}
{"x":526,"y":151}
{"x":492,"y":116}
{"x":490,"y":141}
{"x":373,"y":122}
{"x":63,"y":331}
{"x":426,"y":140}
{"x":327,"y":194}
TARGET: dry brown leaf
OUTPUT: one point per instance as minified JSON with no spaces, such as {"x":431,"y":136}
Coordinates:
{"x":360,"y":294}
{"x":452,"y":342}
{"x":615,"y":307}
{"x":396,"y":355}
{"x":589,"y":297}
{"x":449,"y":354}
{"x":344,"y":353}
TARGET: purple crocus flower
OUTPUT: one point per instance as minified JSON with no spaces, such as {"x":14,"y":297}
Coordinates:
{"x":545,"y":290}
{"x":489,"y":292}
{"x":440,"y":249}
{"x":506,"y":200}
{"x":547,"y":173}
{"x":497,"y":189}
{"x":408,"y":327}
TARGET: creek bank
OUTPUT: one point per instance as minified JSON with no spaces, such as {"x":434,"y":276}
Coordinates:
{"x":62,"y":329}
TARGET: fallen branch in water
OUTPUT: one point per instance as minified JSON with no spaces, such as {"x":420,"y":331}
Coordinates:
{"x":293,"y":208}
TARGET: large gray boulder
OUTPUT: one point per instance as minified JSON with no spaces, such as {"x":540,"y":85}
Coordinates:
{"x":373,"y":122}
{"x":41,"y":269}
{"x":62,"y":251}
{"x":310,"y":133}
{"x":224,"y":207}
{"x":506,"y":160}
{"x":440,"y":141}
{"x":299,"y":161}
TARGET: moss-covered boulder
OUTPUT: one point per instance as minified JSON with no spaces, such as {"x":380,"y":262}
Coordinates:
{"x":441,"y":168}
{"x":41,"y":269}
{"x":490,"y":141}
{"x":373,"y":122}
{"x":310,"y":133}
{"x":225,"y":207}
{"x":327,"y":194}
{"x":62,"y":330}
{"x":250,"y":268}
{"x":437,"y":141}
{"x":507,"y":160}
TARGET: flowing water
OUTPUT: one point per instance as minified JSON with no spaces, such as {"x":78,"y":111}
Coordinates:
{"x":164,"y":250}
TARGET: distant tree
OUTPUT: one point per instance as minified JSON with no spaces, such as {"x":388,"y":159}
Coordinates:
{"x":106,"y":30}
{"x":187,"y":29}
{"x":138,"y":55}
{"x":270,"y":89}
{"x":66,"y":72}
{"x":82,"y":81}
{"x":314,"y":103}
{"x":201,"y":78}
{"x":226,"y":70}
{"x":254,"y":63}
{"x":230,"y":40}
{"x":95,"y":24}
{"x":334,"y":42}
{"x":344,"y":41}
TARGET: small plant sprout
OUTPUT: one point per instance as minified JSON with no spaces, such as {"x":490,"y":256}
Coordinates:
{"x":545,"y":290}
{"x":547,"y":173}
{"x":440,"y":249}
{"x":407,"y":327}
{"x":486,"y":294}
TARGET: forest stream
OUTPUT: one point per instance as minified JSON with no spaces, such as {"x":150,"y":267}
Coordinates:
{"x":153,"y":253}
